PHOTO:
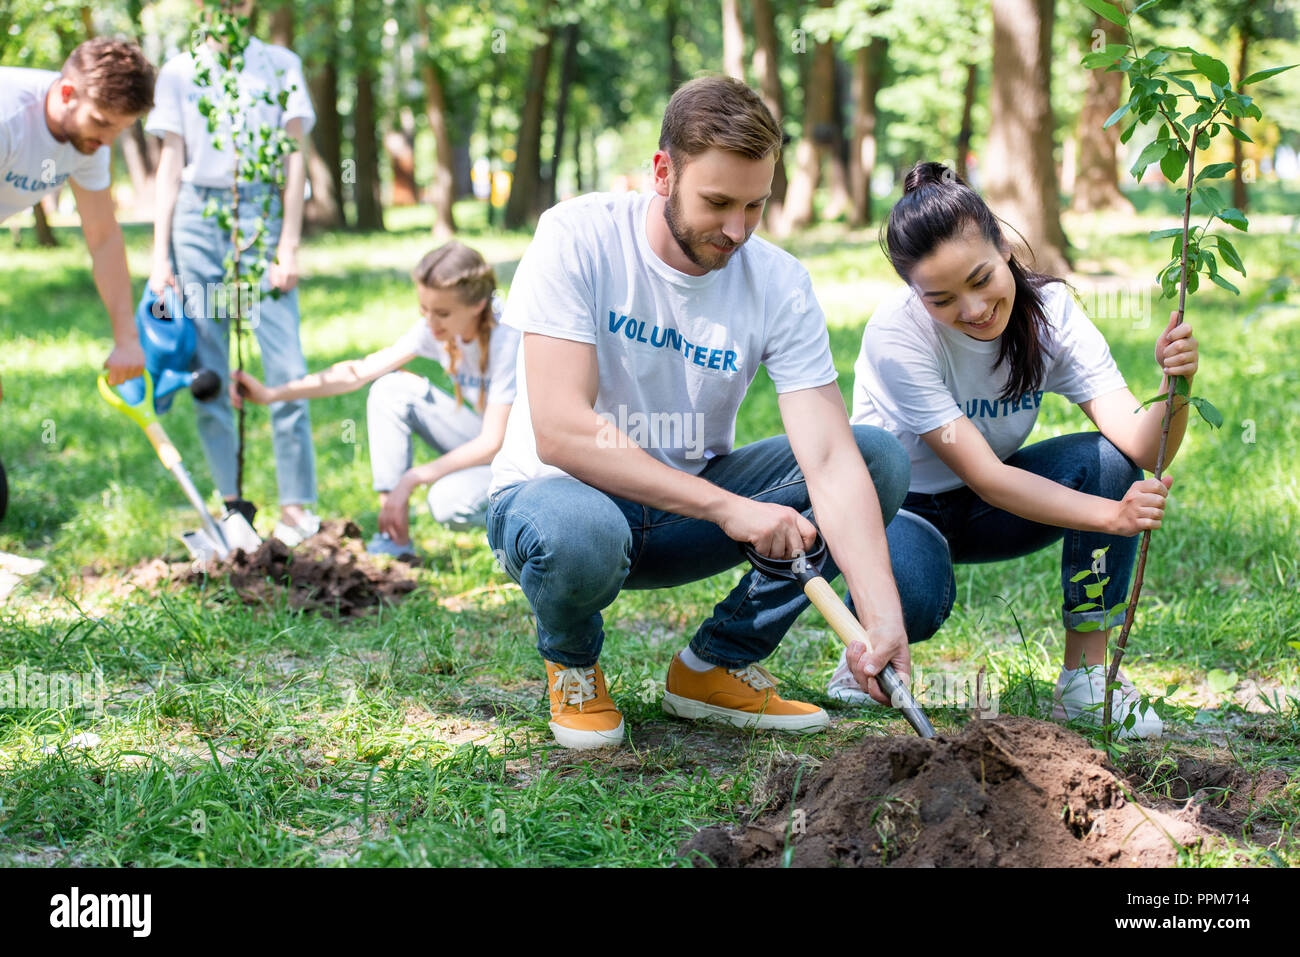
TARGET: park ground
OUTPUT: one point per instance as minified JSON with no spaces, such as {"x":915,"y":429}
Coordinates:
{"x":261,"y":735}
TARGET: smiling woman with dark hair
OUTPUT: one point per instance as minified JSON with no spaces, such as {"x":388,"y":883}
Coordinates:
{"x":955,"y":364}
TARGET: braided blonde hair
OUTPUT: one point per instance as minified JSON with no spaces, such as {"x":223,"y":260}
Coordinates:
{"x":456,"y":266}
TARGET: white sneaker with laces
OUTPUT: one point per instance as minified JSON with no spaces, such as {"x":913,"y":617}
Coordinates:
{"x":1080,"y":695}
{"x":293,"y":535}
{"x":844,"y":687}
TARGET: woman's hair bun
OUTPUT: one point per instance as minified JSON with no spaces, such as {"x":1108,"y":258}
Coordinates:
{"x":927,"y":173}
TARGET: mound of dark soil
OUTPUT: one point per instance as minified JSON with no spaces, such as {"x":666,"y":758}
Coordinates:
{"x":330,"y":573}
{"x":1012,"y":792}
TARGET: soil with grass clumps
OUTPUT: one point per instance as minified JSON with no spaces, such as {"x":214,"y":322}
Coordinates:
{"x":329,"y":573}
{"x":1010,"y":792}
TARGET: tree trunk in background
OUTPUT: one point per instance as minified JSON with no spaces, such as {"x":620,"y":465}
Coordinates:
{"x":141,"y":162}
{"x":365,"y":148}
{"x":868,"y":70}
{"x":399,"y":144}
{"x":838,"y":200}
{"x":1096,"y":180}
{"x":44,"y":235}
{"x":1239,"y":197}
{"x":568,"y":66}
{"x":325,"y":158}
{"x":767,"y":69}
{"x":580,"y":184}
{"x":525,"y":188}
{"x":1021,"y":184}
{"x":443,"y":188}
{"x":733,"y":40}
{"x":462,"y":164}
{"x":489,"y":137}
{"x":140,"y":151}
{"x":281,"y":29}
{"x":818,"y":133}
{"x":670,"y":28}
{"x":967,"y":107}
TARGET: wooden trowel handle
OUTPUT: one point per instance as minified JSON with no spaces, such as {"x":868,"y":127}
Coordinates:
{"x":842,"y":621}
{"x":846,"y":625}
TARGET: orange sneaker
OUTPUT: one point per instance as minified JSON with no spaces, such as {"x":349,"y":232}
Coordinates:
{"x":582,"y":713}
{"x":744,"y":697}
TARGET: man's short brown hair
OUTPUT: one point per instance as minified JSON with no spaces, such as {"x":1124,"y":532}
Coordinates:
{"x":114,"y":74}
{"x":718,"y":112}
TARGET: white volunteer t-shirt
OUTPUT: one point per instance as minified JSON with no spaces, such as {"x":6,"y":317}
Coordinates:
{"x":914,"y":375}
{"x":675,"y":353}
{"x":32,"y":162}
{"x":176,"y":107}
{"x":503,"y":348}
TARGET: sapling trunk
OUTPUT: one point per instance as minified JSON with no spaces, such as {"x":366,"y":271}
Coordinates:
{"x":239,"y":319}
{"x":1170,"y":392}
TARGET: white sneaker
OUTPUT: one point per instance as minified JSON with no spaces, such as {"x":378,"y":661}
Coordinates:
{"x":382,"y":544}
{"x":1080,"y":695}
{"x":844,"y":687}
{"x":293,"y":535}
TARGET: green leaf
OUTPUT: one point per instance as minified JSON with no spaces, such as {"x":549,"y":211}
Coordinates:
{"x":1165,"y":233}
{"x":1182,"y":84}
{"x":1181,"y":386}
{"x":1150,"y":154}
{"x":1087,"y":626}
{"x":1173,"y":163}
{"x":1207,"y":411}
{"x":1220,"y":681}
{"x":1210,"y":68}
{"x":1100,"y":58}
{"x":1151,"y":401}
{"x":1104,"y":9}
{"x":1215,"y":171}
{"x":1230,"y":254}
{"x":1234,"y":217}
{"x":1080,"y":576}
{"x":1093,"y":590}
{"x":1210,"y":197}
{"x":1265,"y":74}
{"x":1238,"y":134}
{"x":1086,"y":606}
{"x":1143,"y":6}
{"x":1114,"y":117}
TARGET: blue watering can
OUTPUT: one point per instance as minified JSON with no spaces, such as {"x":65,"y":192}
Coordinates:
{"x":168,"y":338}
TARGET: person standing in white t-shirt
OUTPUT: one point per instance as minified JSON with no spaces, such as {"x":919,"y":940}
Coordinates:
{"x":645,"y":318}
{"x":57,"y":128}
{"x":955,"y":364}
{"x":458,"y":330}
{"x":190,"y":250}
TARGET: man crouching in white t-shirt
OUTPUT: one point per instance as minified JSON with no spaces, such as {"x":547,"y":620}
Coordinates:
{"x":57,"y":128}
{"x":644,"y":319}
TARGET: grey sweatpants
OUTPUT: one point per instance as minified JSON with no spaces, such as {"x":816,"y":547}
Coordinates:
{"x":402,"y":404}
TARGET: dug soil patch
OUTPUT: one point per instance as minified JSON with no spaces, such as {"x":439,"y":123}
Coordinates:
{"x":1011,"y":792}
{"x":330,"y":573}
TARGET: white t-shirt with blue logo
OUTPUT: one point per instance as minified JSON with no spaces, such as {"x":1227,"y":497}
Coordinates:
{"x":267,"y":68}
{"x":32,"y":162}
{"x":915,"y":375}
{"x":675,"y":353}
{"x":499,"y":380}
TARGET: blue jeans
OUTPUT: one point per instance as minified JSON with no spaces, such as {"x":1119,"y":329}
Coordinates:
{"x":933,"y":532}
{"x":199,"y":248}
{"x":572,"y":549}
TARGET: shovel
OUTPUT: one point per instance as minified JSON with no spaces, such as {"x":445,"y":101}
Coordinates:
{"x":806,"y":570}
{"x":215,"y":539}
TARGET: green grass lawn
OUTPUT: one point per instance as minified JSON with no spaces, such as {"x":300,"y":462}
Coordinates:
{"x":235,"y":735}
